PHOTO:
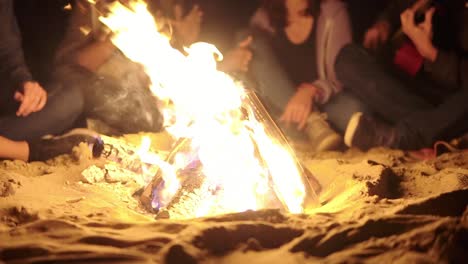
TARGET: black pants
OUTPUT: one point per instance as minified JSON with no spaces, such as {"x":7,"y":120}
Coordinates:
{"x":418,"y":123}
{"x":64,"y":105}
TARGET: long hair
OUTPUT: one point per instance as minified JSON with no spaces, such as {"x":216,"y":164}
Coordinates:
{"x":277,"y":13}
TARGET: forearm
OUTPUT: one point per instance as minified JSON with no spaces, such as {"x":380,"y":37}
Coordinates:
{"x":93,"y":55}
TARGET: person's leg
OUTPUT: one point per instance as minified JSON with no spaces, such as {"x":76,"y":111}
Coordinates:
{"x":385,"y":94}
{"x":64,"y":105}
{"x":273,"y":84}
{"x":41,"y":149}
{"x":16,"y":150}
{"x":123,"y":105}
{"x":340,"y":108}
{"x":444,"y":122}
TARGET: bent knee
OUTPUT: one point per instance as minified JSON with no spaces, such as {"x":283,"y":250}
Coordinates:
{"x":68,"y":101}
{"x":348,"y":60}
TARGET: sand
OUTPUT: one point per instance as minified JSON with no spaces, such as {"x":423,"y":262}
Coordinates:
{"x":380,"y":206}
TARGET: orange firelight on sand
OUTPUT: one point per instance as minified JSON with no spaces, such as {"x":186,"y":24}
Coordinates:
{"x":239,"y":160}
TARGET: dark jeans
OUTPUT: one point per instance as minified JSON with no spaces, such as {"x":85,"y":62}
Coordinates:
{"x":418,"y":123}
{"x":64,"y":106}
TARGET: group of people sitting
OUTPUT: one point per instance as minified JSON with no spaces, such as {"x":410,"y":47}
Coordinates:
{"x":405,"y":86}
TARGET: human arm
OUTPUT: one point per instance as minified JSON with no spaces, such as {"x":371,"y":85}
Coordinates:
{"x":95,"y":54}
{"x":386,"y":23}
{"x":238,"y":58}
{"x":187,"y":28}
{"x":12,"y":64}
{"x":299,"y":106}
{"x":333,"y":33}
{"x":31,"y":96}
{"x":85,"y":43}
{"x":447,"y":68}
{"x":391,"y":14}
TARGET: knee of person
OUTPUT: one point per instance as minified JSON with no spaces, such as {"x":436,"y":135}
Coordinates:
{"x":346,"y":58}
{"x":72,"y":101}
{"x":78,"y":99}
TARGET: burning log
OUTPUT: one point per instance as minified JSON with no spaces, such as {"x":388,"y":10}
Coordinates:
{"x":125,"y":155}
{"x":226,"y":134}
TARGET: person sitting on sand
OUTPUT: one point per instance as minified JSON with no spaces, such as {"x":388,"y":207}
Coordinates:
{"x":27,"y":110}
{"x":116,"y":90}
{"x":186,"y":20}
{"x":295,"y":45}
{"x":114,"y":86}
{"x":423,"y":97}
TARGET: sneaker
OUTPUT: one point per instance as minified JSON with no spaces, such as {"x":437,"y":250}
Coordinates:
{"x":364,"y":133}
{"x":47,"y":148}
{"x":321,"y":136}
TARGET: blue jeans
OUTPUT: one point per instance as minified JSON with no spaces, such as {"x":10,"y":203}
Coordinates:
{"x":275,"y":87}
{"x":418,"y":122}
{"x":64,"y":105}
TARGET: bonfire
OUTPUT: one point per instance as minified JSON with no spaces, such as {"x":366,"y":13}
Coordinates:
{"x":233,"y":155}
{"x":232,"y":187}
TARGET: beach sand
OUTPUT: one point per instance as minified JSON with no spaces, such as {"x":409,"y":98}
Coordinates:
{"x":380,"y":206}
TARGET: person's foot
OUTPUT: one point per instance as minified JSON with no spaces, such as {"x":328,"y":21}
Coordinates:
{"x":47,"y":148}
{"x":364,"y":133}
{"x":321,"y":136}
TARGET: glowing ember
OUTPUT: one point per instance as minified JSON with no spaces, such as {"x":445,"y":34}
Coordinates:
{"x":239,"y":161}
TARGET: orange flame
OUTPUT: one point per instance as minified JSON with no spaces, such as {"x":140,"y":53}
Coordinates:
{"x":205,"y":106}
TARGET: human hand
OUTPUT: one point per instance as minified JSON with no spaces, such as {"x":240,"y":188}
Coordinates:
{"x":421,"y":34}
{"x":238,"y":59}
{"x":187,"y":28}
{"x":32,"y":99}
{"x":377,"y":35}
{"x":299,"y":106}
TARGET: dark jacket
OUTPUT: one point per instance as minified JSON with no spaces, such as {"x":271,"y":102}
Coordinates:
{"x":450,"y":68}
{"x":13,"y":70}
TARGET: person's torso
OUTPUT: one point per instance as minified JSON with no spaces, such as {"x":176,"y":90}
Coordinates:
{"x":298,"y":60}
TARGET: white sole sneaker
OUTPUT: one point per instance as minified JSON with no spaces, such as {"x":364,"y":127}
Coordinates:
{"x":330,"y":143}
{"x":351,"y":128}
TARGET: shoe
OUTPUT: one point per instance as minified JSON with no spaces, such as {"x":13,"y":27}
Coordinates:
{"x":364,"y":133}
{"x":321,"y":136}
{"x":47,"y":148}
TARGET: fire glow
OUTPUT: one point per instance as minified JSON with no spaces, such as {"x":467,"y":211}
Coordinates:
{"x":239,"y":160}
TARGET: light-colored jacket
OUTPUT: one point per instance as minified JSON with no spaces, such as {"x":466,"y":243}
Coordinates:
{"x":333,"y":32}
